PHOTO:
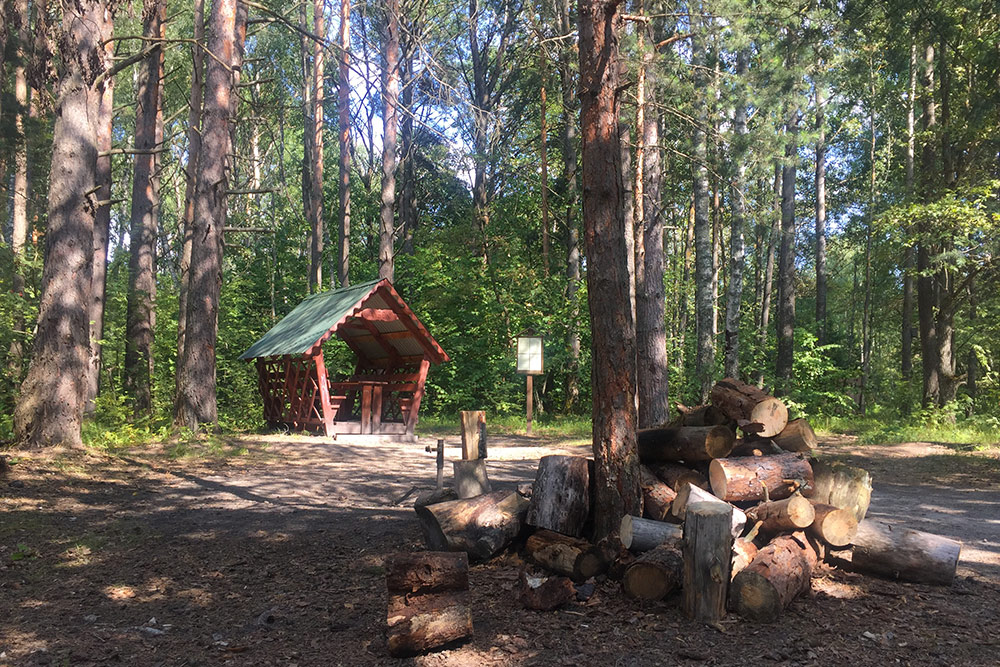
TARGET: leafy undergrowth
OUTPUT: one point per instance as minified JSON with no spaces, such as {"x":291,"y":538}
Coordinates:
{"x":961,"y":435}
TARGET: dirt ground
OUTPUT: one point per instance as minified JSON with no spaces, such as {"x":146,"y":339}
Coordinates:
{"x":273,"y":556}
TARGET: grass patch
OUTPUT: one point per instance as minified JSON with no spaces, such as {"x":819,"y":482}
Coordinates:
{"x":960,"y":436}
{"x":547,"y":427}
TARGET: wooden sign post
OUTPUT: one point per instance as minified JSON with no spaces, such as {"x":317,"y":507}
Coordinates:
{"x":530,"y":362}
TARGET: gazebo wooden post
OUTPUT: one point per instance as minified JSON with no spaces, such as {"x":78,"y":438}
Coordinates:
{"x":411,"y":419}
{"x":324,"y":394}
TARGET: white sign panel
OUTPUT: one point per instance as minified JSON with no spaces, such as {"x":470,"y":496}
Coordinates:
{"x":530,"y":355}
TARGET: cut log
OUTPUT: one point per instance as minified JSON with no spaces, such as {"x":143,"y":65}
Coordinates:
{"x":842,"y":486}
{"x":473,"y":434}
{"x":676,"y":475}
{"x":638,"y":535}
{"x":568,"y":556}
{"x":423,"y":622}
{"x":755,"y":447}
{"x":479,"y":526}
{"x":834,"y":526}
{"x":435,"y":496}
{"x":747,"y":477}
{"x":777,"y":516}
{"x":427,"y":572}
{"x":708,"y":556}
{"x":656,"y":495}
{"x":701,"y":415}
{"x":654,"y":574}
{"x":544,"y":593}
{"x":471,"y":479}
{"x":693,"y":494}
{"x":684,"y":443}
{"x":748,"y":406}
{"x":779,"y":573}
{"x":744,"y":551}
{"x":902,"y":553}
{"x":797,"y":436}
{"x":560,"y":496}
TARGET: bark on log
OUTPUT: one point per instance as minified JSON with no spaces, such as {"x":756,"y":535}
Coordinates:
{"x":654,"y":574}
{"x":748,"y":406}
{"x":791,"y":514}
{"x":427,"y":572}
{"x":755,"y":447}
{"x":701,"y":415}
{"x":479,"y":526}
{"x":423,"y":622}
{"x":708,"y":557}
{"x":744,"y":551}
{"x":842,"y":486}
{"x":560,"y":496}
{"x":471,"y":479}
{"x":544,"y":593}
{"x":902,"y":553}
{"x":779,"y":573}
{"x":685,"y":443}
{"x":656,"y":495}
{"x":638,"y":535}
{"x":434,"y":497}
{"x":473,"y":434}
{"x":797,"y":436}
{"x":745,"y":478}
{"x":834,"y":526}
{"x":568,"y":556}
{"x":693,"y":494}
{"x":676,"y":475}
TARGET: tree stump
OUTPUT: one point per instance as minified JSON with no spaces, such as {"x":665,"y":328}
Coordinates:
{"x":676,"y":475}
{"x":479,"y":526}
{"x":638,"y":535}
{"x":834,"y":526}
{"x":842,"y":486}
{"x":654,"y":574}
{"x":692,"y":494}
{"x":752,"y":409}
{"x":684,"y":443}
{"x":473,"y":434}
{"x":656,"y":495}
{"x":779,"y":573}
{"x":428,"y":601}
{"x":568,"y":556}
{"x":470,"y":478}
{"x":560,"y":496}
{"x":747,"y":477}
{"x":708,"y":556}
{"x":902,"y":553}
{"x":791,"y":514}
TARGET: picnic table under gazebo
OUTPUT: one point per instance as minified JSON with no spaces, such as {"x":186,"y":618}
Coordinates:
{"x":393,"y":353}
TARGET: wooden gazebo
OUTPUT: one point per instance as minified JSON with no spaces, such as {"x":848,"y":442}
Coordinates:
{"x":394,"y":352}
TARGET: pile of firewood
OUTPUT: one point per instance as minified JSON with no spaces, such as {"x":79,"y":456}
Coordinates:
{"x":734,"y":523}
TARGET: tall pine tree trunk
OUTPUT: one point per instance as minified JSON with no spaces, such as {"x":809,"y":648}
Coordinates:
{"x":773,"y":240}
{"x":191,"y":176}
{"x":616,"y":483}
{"x":49,"y":409}
{"x":141,"y":297}
{"x":703,"y":245}
{"x":196,"y":401}
{"x":734,"y":297}
{"x":408,"y":150}
{"x":906,"y":341}
{"x":20,"y":192}
{"x":316,"y":150}
{"x":480,"y":134}
{"x":344,"y":130}
{"x":821,"y":333}
{"x":926,"y":289}
{"x":390,"y":125}
{"x":569,"y":134}
{"x":786,"y":262}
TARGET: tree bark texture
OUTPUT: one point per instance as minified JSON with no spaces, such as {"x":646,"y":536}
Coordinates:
{"x":777,"y":516}
{"x":759,"y":477}
{"x":423,"y":622}
{"x":656,"y":496}
{"x":479,"y":526}
{"x":786,"y":263}
{"x":842,"y":486}
{"x":773,"y":239}
{"x":734,"y":294}
{"x":655,"y":574}
{"x":638,"y":534}
{"x":102,"y":225}
{"x":690,"y":494}
{"x":612,"y":325}
{"x":685,"y":443}
{"x":708,"y":549}
{"x":703,"y":246}
{"x":390,"y":125}
{"x":344,"y":134}
{"x":676,"y":475}
{"x":569,"y":152}
{"x":750,"y":408}
{"x":141,"y":299}
{"x":49,"y":409}
{"x":820,"y":218}
{"x":427,"y":572}
{"x":567,"y":556}
{"x":902,"y":553}
{"x":316,"y":122}
{"x":926,"y":297}
{"x":191,"y":179}
{"x":560,"y":495}
{"x":779,"y":573}
{"x":196,"y":400}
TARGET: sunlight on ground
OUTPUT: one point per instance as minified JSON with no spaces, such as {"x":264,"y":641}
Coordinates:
{"x":837,"y":589}
{"x":120,"y":593}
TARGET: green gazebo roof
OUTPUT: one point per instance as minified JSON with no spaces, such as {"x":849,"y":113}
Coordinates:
{"x":321,"y":315}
